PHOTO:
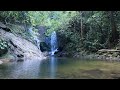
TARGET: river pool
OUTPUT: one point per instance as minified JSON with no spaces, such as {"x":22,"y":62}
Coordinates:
{"x":60,"y":68}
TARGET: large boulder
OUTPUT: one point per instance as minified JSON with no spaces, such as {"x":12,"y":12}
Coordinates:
{"x":3,"y":51}
{"x":21,"y":46}
{"x":2,"y":25}
{"x":41,"y":32}
{"x":44,"y":47}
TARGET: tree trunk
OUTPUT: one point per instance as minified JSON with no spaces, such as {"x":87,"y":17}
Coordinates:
{"x":114,"y":33}
{"x":81,"y":25}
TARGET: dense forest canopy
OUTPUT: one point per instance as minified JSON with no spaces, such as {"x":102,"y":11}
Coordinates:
{"x":85,"y":30}
{"x":59,"y":44}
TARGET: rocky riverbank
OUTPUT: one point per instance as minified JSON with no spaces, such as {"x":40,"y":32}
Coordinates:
{"x":109,"y":55}
{"x":19,"y":46}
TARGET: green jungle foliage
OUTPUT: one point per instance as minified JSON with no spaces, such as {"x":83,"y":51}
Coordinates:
{"x":86,"y":30}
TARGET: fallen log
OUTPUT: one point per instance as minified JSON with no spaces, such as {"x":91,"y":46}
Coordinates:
{"x":108,"y":50}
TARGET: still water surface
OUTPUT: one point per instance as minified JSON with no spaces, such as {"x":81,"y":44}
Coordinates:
{"x":66,"y":68}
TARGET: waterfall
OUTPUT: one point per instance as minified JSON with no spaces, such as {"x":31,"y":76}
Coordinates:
{"x":54,"y":46}
{"x":35,"y":38}
{"x":37,"y":41}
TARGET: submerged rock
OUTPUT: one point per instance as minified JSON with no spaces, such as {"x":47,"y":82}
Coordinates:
{"x":12,"y":60}
{"x":5,"y":60}
{"x":20,"y":60}
{"x":20,"y":56}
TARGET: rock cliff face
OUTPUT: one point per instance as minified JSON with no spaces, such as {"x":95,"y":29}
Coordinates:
{"x":20,"y":46}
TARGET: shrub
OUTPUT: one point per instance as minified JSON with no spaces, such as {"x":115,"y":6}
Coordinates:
{"x":3,"y":47}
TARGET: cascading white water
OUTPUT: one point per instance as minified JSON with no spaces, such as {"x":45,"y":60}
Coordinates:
{"x":54,"y":44}
{"x":37,"y":41}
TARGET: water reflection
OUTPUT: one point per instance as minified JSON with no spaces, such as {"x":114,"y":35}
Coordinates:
{"x":27,"y":69}
{"x":30,"y":69}
{"x":53,"y":67}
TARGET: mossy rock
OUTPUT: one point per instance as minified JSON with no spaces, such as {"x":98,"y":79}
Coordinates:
{"x":3,"y":51}
{"x":109,"y":55}
{"x":44,"y":47}
{"x":118,"y":47}
{"x":115,"y":54}
{"x":16,"y":29}
{"x":105,"y":54}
